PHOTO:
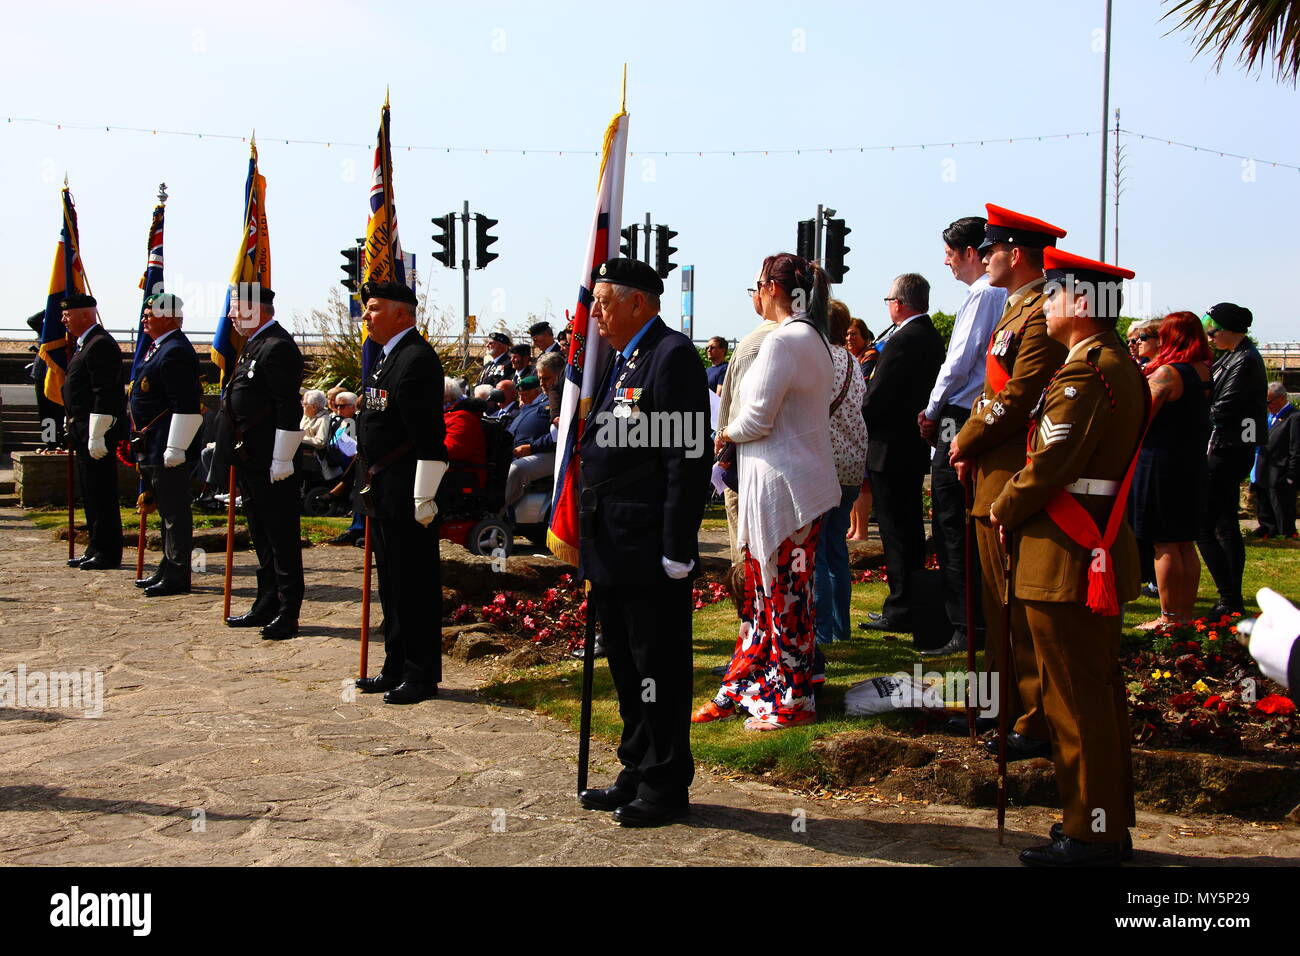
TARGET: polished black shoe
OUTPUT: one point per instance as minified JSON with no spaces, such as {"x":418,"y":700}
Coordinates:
{"x":1150,"y":590}
{"x":346,"y":538}
{"x":155,"y":578}
{"x":958,"y":725}
{"x":99,"y":563}
{"x":1224,"y":609}
{"x":610,"y":798}
{"x":955,"y":646}
{"x":598,"y":649}
{"x":77,"y":562}
{"x":1069,"y":852}
{"x":377,"y":684}
{"x":280,"y":627}
{"x":643,"y":813}
{"x":166,"y":588}
{"x":410,"y":692}
{"x":881,"y":623}
{"x":1020,"y":747}
{"x":256,"y":617}
{"x":1126,"y":852}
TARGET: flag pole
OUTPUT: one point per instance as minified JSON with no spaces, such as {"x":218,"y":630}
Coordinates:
{"x":969,"y":576}
{"x":1006,"y":672}
{"x":230,"y":542}
{"x":72,"y":503}
{"x":365,"y":603}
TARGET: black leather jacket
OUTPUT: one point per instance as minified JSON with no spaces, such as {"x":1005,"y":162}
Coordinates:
{"x":1240,"y":387}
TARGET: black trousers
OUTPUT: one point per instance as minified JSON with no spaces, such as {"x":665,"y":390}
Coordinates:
{"x":171,"y":493}
{"x":902,"y":532}
{"x":273,"y":510}
{"x":1276,"y":501}
{"x":99,"y":497}
{"x":948,"y":525}
{"x":647,"y":638}
{"x":410,"y":590}
{"x":1222,"y":549}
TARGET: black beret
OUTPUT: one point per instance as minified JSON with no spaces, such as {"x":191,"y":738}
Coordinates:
{"x":539,"y":328}
{"x":247,"y":292}
{"x":1231,"y":317}
{"x":525,"y":350}
{"x":500,"y":337}
{"x":79,"y":300}
{"x":394,"y":291}
{"x":632,"y":273}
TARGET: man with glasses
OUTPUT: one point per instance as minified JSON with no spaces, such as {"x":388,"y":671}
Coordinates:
{"x":716,"y":351}
{"x":1239,"y":423}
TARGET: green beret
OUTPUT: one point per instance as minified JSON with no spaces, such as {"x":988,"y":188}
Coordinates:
{"x":529,"y":381}
{"x":165,"y":305}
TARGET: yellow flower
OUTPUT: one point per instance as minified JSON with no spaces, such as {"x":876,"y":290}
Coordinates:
{"x":1155,"y":675}
{"x":1167,"y":674}
{"x":1201,"y":687}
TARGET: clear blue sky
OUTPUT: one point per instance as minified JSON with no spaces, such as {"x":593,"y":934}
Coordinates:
{"x":701,"y":77}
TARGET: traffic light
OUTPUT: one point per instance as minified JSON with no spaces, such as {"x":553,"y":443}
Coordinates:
{"x":628,"y":247}
{"x":481,"y":226}
{"x":663,"y":251}
{"x":447,"y":224}
{"x":352,"y":269}
{"x":836,"y":230}
{"x":804,"y":244}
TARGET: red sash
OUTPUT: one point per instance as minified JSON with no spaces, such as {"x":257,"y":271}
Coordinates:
{"x":1079,"y":526}
{"x":996,"y":376}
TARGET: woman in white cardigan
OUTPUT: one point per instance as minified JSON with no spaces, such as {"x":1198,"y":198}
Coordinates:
{"x":787,"y":483}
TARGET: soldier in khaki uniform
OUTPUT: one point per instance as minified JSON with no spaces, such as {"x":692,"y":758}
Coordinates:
{"x":1021,"y":358}
{"x":1076,"y":558}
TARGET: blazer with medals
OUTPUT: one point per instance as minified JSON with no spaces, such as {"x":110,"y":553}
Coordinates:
{"x":998,"y":428}
{"x":95,"y":385}
{"x":261,"y":397}
{"x":898,"y":392}
{"x":166,"y":382}
{"x":494,"y":370}
{"x":401,"y":422}
{"x":657,"y":513}
{"x":1088,"y":428}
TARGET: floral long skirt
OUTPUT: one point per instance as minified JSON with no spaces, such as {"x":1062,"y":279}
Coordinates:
{"x":771,"y":672}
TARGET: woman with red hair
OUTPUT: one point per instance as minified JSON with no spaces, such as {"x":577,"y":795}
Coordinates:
{"x":1171,"y":483}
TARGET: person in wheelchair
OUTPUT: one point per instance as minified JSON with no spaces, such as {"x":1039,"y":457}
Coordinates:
{"x":466,"y":445}
{"x":534,"y":449}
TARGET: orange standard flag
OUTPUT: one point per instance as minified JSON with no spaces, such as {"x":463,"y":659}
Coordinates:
{"x":252,"y":265}
{"x":383,"y":260}
{"x":587,"y":350}
{"x":67,"y":277}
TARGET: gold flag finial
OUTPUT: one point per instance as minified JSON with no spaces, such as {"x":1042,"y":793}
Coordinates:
{"x":385,"y":96}
{"x":623,"y":106}
{"x":252,"y":140}
{"x":65,"y":179}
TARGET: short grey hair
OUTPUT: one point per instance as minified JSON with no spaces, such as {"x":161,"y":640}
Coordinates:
{"x":552,"y":362}
{"x":314,"y":397}
{"x":1276,"y":390}
{"x":621,"y":292}
{"x":483,"y":391}
{"x":451,"y":391}
{"x":913,"y":291}
{"x":345,"y":398}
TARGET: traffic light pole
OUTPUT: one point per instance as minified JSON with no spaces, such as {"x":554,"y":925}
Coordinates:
{"x":464,"y":265}
{"x":817,"y":243}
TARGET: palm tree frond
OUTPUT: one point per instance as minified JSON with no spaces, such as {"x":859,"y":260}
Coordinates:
{"x":1262,"y":31}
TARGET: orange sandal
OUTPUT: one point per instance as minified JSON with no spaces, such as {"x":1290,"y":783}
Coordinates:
{"x":710,"y":712}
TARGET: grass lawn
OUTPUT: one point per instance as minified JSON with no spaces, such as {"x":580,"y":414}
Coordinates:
{"x":314,"y":530}
{"x":555,"y":689}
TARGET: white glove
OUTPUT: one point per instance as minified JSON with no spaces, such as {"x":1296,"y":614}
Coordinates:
{"x":286,"y":443}
{"x":1273,"y":633}
{"x":676,"y":569}
{"x":428,"y":476}
{"x":179,"y":436}
{"x":99,"y":426}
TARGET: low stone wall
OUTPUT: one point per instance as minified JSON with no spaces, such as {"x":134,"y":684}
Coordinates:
{"x":42,"y":480}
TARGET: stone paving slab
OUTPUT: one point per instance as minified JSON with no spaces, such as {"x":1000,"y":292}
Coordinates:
{"x":218,"y":748}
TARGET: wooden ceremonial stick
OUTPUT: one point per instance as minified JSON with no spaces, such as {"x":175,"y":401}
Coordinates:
{"x":970,"y":610}
{"x":588,"y":672}
{"x":1008,"y":590}
{"x":365,"y":603}
{"x":139,"y":545}
{"x":230,"y":541}
{"x":72,"y":504}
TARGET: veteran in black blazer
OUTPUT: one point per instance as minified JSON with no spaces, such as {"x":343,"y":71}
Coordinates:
{"x":94,"y":400}
{"x":166,"y":414}
{"x":897,"y":456}
{"x":1278,"y":466}
{"x":258,"y":433}
{"x":646,"y":459}
{"x":402,"y":457}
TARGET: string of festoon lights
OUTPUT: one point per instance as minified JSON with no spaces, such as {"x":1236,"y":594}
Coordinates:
{"x":745,"y":151}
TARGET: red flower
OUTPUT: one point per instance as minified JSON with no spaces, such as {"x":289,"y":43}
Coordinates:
{"x":1182,"y":702}
{"x":1275,"y":705}
{"x":1212,"y":702}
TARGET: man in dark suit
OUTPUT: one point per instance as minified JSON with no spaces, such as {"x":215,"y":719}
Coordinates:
{"x":258,"y":433}
{"x":544,"y":339}
{"x":1278,"y":468}
{"x":403,"y":456}
{"x":94,"y":398}
{"x":166,"y":414}
{"x":496,"y":363}
{"x":897,"y":456}
{"x":642,"y":503}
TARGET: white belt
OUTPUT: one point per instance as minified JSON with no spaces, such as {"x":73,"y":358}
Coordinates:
{"x":1094,"y":486}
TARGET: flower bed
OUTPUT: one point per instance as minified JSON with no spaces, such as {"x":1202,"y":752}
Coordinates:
{"x":1195,"y":686}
